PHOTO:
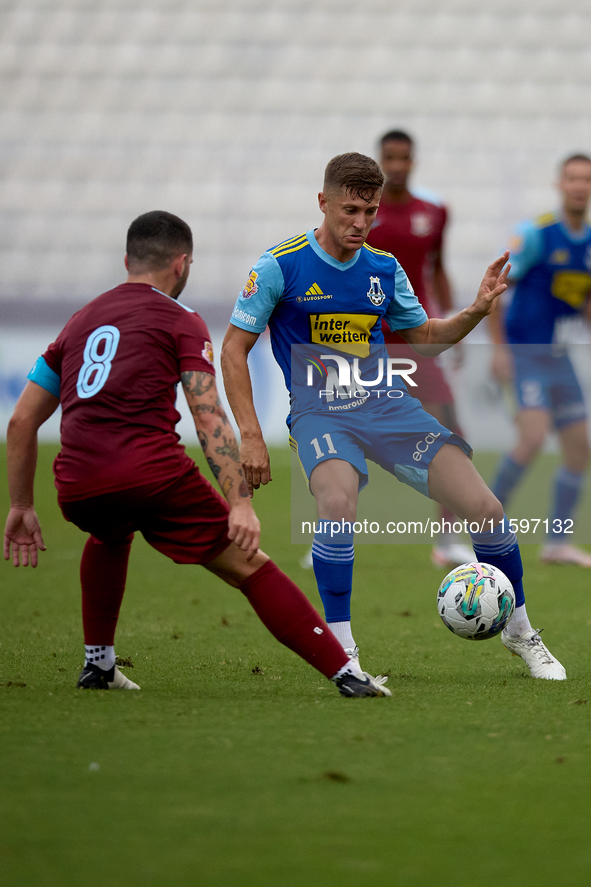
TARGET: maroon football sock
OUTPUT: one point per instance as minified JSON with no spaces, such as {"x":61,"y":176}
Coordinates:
{"x":289,"y":615}
{"x":103,"y":571}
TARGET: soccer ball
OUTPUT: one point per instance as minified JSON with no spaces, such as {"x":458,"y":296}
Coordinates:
{"x":476,"y":601}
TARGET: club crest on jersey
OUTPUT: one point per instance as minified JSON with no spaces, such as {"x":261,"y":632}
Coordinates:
{"x":207,"y":352}
{"x":251,"y":286}
{"x":420,"y":224}
{"x":375,"y":293}
{"x":559,"y":257}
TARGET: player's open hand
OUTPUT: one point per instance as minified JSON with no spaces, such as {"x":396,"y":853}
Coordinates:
{"x":23,"y":533}
{"x":256,"y":464}
{"x":244,"y":528}
{"x":493,"y":284}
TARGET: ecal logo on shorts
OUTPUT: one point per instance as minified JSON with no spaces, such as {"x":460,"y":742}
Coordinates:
{"x":423,"y":445}
{"x":375,"y":294}
{"x":251,"y":286}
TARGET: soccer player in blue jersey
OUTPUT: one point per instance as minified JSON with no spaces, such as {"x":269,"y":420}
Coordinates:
{"x":551,"y":269}
{"x":327,"y":289}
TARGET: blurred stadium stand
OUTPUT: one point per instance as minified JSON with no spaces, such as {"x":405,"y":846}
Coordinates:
{"x":226,"y":111}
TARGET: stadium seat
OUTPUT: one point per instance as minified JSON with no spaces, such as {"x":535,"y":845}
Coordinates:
{"x":228,"y":112}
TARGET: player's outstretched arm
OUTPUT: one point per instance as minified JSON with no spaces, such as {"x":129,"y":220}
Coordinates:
{"x":253,"y":451}
{"x":223,"y":457}
{"x":22,"y":533}
{"x":438,"y":334}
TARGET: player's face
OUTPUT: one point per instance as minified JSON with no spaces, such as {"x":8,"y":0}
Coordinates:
{"x":575,"y":185}
{"x":348,"y":220}
{"x":396,"y":162}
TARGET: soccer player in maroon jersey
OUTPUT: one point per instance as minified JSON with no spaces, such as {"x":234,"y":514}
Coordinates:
{"x":412,"y":228}
{"x":121,"y":469}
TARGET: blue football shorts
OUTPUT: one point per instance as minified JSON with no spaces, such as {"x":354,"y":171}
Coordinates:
{"x":546,"y":381}
{"x":398,"y":435}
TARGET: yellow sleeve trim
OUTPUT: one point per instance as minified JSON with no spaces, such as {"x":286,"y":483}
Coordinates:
{"x":545,"y":220}
{"x":288,"y":243}
{"x":293,"y":249}
{"x":378,"y":252}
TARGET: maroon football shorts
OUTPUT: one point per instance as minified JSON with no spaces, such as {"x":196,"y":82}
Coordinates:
{"x":186,"y":520}
{"x":432,"y":385}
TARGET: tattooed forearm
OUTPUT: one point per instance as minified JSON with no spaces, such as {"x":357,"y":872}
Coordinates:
{"x":213,"y":427}
{"x":198,"y":408}
{"x":197,"y":383}
{"x":229,"y":449}
{"x":215,"y":468}
{"x":243,"y":490}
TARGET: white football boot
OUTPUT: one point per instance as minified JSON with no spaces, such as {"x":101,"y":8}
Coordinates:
{"x":306,"y":563}
{"x":451,"y":554}
{"x":561,"y":553}
{"x":94,"y":678}
{"x":535,"y":654}
{"x":353,"y":654}
{"x":352,"y":681}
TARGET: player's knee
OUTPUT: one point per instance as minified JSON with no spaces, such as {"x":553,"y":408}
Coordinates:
{"x":578,"y":458}
{"x":233,"y":566}
{"x":488,"y":508}
{"x":532,"y":442}
{"x":337,"y":504}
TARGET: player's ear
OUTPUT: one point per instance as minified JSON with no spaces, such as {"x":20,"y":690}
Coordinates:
{"x":322,"y":201}
{"x":126,"y":260}
{"x":179,"y":264}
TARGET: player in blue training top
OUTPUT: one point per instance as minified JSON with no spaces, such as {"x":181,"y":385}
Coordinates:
{"x":551,"y":268}
{"x":326,"y":292}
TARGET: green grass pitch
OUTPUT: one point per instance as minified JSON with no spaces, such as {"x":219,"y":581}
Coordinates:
{"x":237,"y":765}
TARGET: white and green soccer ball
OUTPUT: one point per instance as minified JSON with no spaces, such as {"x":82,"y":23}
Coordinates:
{"x":476,"y":601}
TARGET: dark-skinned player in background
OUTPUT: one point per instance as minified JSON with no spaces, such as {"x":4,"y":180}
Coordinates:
{"x":411,"y":226}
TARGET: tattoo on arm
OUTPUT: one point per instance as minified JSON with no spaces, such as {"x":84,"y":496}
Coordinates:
{"x":229,"y":449}
{"x":197,"y":383}
{"x":202,"y":439}
{"x":215,"y":468}
{"x":227,"y":485}
{"x":198,"y":408}
{"x":223,"y":416}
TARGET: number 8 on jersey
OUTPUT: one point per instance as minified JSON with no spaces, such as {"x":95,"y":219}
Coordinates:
{"x":95,"y":364}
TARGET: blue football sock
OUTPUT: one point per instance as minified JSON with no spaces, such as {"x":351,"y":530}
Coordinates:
{"x":508,"y":475}
{"x":568,"y":486}
{"x":501,"y":549}
{"x":333,"y":558}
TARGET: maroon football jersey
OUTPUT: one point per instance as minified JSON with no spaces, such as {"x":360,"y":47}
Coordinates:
{"x":119,"y":360}
{"x":413,"y":233}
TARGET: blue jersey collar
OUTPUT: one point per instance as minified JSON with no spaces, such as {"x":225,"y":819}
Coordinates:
{"x":574,"y":236}
{"x":334,"y":263}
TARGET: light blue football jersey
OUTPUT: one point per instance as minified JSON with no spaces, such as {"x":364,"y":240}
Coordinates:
{"x":308,"y":298}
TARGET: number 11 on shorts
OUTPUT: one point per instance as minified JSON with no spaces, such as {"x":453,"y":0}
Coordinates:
{"x":331,"y":447}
